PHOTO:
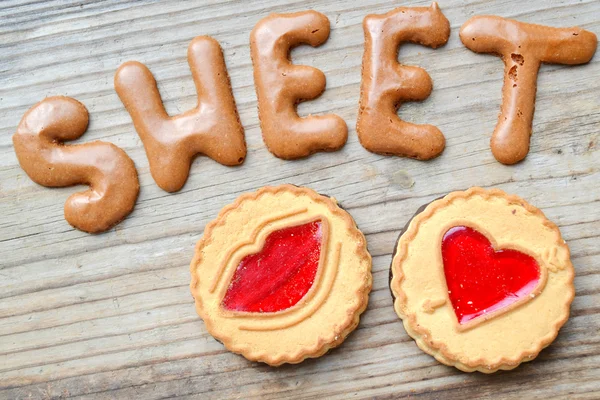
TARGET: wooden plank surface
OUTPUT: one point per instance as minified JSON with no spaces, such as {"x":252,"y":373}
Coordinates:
{"x":111,"y":315}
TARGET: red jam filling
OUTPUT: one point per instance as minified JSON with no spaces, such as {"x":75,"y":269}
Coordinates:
{"x":278,"y":276}
{"x":481,"y":280}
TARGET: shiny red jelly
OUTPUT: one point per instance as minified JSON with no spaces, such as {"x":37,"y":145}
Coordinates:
{"x":481,"y":280}
{"x":279,"y":275}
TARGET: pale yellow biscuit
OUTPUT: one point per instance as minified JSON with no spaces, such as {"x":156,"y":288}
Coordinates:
{"x":508,"y":337}
{"x":329,"y":311}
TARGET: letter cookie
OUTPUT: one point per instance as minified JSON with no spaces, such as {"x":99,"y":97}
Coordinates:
{"x":212,"y":128}
{"x":386,"y":84}
{"x":523,"y":47}
{"x":280,"y":85}
{"x":106,"y":168}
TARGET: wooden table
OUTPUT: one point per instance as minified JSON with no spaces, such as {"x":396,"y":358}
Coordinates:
{"x":111,"y":315}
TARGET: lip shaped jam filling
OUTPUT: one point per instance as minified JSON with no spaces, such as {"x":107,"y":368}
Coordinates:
{"x":482,"y":280}
{"x":280,"y":274}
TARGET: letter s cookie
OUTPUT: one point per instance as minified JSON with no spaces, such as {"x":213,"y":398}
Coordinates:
{"x":106,"y":168}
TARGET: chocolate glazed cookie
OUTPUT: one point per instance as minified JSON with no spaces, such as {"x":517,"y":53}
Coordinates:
{"x":212,"y":128}
{"x":281,"y":85}
{"x":523,"y":48}
{"x":42,"y":151}
{"x":387,"y":84}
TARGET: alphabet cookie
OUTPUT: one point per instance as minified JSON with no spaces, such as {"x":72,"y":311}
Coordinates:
{"x":212,"y":128}
{"x":482,"y":280}
{"x":523,"y":47}
{"x":281,"y":275}
{"x":386,"y":84}
{"x":107,"y":169}
{"x":280,"y":85}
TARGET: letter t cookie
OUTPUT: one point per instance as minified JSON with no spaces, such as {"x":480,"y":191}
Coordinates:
{"x":523,"y":47}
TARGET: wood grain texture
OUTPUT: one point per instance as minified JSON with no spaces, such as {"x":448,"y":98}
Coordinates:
{"x":111,"y":315}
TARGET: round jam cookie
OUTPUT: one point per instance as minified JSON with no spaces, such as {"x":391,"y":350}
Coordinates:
{"x":281,"y":275}
{"x":482,"y":280}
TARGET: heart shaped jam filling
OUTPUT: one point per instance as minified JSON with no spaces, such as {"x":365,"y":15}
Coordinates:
{"x":481,"y":280}
{"x":281,"y":274}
